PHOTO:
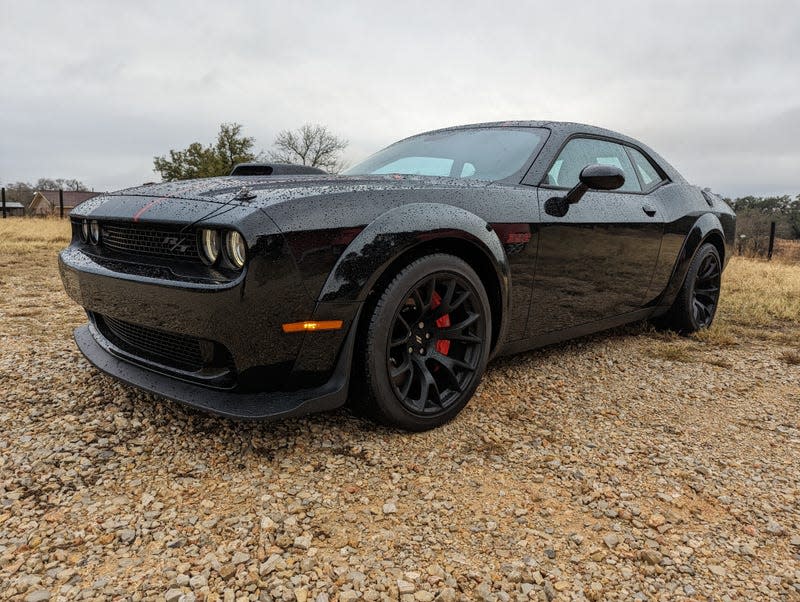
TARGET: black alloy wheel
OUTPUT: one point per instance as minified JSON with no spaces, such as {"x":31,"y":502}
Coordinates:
{"x":696,"y":303}
{"x":427,"y":344}
{"x":705,"y":293}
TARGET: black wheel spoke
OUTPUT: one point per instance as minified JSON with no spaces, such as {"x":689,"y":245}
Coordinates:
{"x":454,"y":330}
{"x":403,"y":326}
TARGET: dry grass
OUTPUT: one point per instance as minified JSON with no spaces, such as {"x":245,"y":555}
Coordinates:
{"x":22,"y":236}
{"x":787,"y":251}
{"x":760,"y":294}
{"x":791,"y":357}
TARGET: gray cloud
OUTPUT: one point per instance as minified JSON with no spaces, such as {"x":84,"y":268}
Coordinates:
{"x":94,"y":90}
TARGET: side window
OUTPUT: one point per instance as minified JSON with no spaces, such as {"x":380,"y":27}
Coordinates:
{"x":580,"y":152}
{"x":647,"y":171}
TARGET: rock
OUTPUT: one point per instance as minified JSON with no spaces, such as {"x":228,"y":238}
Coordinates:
{"x":795,"y":540}
{"x":302,"y":542}
{"x":656,"y":520}
{"x":127,"y":535}
{"x":40,"y":595}
{"x":550,"y":553}
{"x":240,"y":558}
{"x":611,"y":540}
{"x":423,"y":596}
{"x":717,"y":570}
{"x":173,"y":595}
{"x":405,"y":587}
{"x":301,"y":595}
{"x":447,"y":594}
{"x":650,"y":556}
{"x":774,"y":528}
{"x":226,"y":571}
{"x":390,"y":508}
{"x":198,"y":581}
{"x":348,"y":595}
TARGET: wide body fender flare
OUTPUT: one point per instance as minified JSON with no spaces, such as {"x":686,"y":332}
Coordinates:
{"x":399,"y":232}
{"x":705,"y":227}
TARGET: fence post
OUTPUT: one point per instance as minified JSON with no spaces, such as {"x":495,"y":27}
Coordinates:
{"x":61,"y":203}
{"x":771,"y":240}
{"x":3,"y":194}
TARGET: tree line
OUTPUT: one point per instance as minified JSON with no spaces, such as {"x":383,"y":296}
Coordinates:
{"x":311,"y":144}
{"x":754,"y":215}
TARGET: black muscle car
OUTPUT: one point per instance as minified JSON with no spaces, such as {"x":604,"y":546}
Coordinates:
{"x":394,"y":283}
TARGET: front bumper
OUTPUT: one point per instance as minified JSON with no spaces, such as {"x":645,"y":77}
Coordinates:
{"x":257,"y":406}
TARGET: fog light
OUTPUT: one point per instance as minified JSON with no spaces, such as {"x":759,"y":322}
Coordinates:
{"x":236,"y":248}
{"x":94,"y":232}
{"x":85,"y":231}
{"x":209,"y":246}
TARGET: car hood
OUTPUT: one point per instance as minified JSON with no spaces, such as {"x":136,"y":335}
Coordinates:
{"x":267,"y":190}
{"x":195,"y":200}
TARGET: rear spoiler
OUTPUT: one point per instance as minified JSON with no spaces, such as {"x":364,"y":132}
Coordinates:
{"x":273,"y":169}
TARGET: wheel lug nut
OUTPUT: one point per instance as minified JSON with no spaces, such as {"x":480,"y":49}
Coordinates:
{"x":422,"y":324}
{"x":427,"y":335}
{"x":411,"y":350}
{"x":422,"y":351}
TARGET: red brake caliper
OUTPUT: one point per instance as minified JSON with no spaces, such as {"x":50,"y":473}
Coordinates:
{"x":442,"y":346}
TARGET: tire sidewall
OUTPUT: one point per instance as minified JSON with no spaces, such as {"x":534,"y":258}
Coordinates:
{"x":382,"y":391}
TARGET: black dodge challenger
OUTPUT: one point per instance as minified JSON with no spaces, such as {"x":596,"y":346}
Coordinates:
{"x":393,"y":284}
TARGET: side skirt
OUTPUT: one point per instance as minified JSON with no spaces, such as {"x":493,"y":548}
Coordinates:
{"x":574,"y":332}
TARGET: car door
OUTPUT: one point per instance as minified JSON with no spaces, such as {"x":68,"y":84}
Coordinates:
{"x":596,"y":261}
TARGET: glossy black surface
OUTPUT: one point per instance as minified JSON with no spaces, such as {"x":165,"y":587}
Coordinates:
{"x":319,"y":247}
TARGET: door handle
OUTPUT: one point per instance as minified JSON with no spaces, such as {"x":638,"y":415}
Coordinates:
{"x":649,"y":210}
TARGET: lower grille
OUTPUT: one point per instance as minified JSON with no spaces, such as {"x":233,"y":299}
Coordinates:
{"x":156,"y":242}
{"x":166,"y":348}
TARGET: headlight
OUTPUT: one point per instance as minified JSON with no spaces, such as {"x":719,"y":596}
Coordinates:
{"x":94,"y":233}
{"x":209,"y":246}
{"x":236,"y":248}
{"x":85,"y":231}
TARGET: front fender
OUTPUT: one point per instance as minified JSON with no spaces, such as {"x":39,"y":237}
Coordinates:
{"x":704,"y":226}
{"x":400,"y":230}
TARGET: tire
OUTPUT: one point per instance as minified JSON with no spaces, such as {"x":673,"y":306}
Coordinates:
{"x":696,"y":304}
{"x":425,"y":345}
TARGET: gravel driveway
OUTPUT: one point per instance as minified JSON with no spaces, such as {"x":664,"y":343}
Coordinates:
{"x":626,"y":466}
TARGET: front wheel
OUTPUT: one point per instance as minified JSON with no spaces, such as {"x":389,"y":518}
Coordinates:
{"x":426,"y":345}
{"x":696,"y":304}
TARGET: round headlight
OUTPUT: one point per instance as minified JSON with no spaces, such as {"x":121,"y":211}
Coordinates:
{"x":236,"y":248}
{"x":209,"y":246}
{"x":94,"y":233}
{"x":85,"y":231}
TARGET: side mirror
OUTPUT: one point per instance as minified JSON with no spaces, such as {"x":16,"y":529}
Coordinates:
{"x":593,"y":177}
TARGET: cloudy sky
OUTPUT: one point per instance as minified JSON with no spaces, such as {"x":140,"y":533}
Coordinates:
{"x":93,"y":90}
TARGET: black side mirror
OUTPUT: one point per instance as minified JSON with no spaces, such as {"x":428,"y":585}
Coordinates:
{"x":593,"y":177}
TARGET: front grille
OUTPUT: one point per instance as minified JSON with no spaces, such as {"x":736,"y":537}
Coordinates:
{"x":167,"y":348}
{"x":160,"y":241}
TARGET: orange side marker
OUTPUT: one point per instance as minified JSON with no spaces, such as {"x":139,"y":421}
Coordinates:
{"x":309,"y":326}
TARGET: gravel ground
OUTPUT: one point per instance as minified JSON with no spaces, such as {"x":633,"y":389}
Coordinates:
{"x":626,"y":466}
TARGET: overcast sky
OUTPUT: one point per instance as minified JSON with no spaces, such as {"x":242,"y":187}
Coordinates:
{"x":93,"y":90}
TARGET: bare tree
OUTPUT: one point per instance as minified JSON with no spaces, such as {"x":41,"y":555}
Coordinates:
{"x":312,"y":145}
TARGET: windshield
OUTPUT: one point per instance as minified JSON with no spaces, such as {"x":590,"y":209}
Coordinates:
{"x":477,"y":153}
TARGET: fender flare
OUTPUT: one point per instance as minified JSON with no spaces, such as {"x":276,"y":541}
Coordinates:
{"x":400,"y":230}
{"x":705,"y":226}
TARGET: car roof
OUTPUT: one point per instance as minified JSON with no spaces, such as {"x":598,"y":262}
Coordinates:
{"x":566,"y":129}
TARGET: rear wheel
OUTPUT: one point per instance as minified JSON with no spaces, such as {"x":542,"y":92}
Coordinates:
{"x":426,"y":345}
{"x":696,"y":304}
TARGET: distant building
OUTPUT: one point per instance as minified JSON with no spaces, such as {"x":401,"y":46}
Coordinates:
{"x":45,"y":202}
{"x":15,"y":209}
